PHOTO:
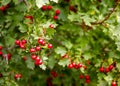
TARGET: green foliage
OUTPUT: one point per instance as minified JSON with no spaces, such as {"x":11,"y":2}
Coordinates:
{"x":86,"y":32}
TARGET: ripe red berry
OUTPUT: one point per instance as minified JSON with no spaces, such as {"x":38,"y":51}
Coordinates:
{"x":57,"y":12}
{"x":79,"y":65}
{"x":41,"y":41}
{"x":20,"y":75}
{"x":111,"y":67}
{"x":24,"y":58}
{"x":114,"y":83}
{"x":101,"y":69}
{"x":1,"y":53}
{"x":32,"y":50}
{"x":87,"y":77}
{"x":33,"y":57}
{"x":2,"y":8}
{"x":9,"y":56}
{"x":81,"y":76}
{"x":38,"y":62}
{"x":38,"y":48}
{"x":22,"y":46}
{"x":70,"y":66}
{"x":51,"y":26}
{"x":87,"y":81}
{"x":49,"y":7}
{"x":17,"y":42}
{"x":50,"y":46}
{"x":24,"y":41}
{"x":55,"y":17}
{"x":44,"y":7}
{"x":107,"y":70}
{"x":1,"y":47}
{"x":74,"y":64}
{"x":29,"y":17}
{"x":16,"y":76}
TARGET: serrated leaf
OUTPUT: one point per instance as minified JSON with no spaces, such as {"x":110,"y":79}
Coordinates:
{"x":42,"y":66}
{"x":108,"y":79}
{"x":5,"y":2}
{"x":63,"y":62}
{"x":40,"y":3}
{"x":60,"y":50}
{"x":30,"y":64}
{"x":68,"y":44}
{"x":22,"y":28}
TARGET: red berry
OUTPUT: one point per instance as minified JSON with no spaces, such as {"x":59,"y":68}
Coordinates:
{"x":38,"y":62}
{"x":81,"y":76}
{"x":80,"y":65}
{"x":85,"y":67}
{"x":33,"y":57}
{"x":87,"y":77}
{"x":1,"y":47}
{"x":16,"y":76}
{"x":57,"y":12}
{"x":24,"y":58}
{"x":2,"y":8}
{"x":37,"y":58}
{"x":24,"y":41}
{"x":9,"y":56}
{"x":50,"y":46}
{"x":17,"y":42}
{"x":32,"y":50}
{"x":111,"y":67}
{"x":70,"y":66}
{"x":71,"y":7}
{"x":38,"y":48}
{"x":43,"y":43}
{"x":49,"y":7}
{"x":22,"y":46}
{"x":20,"y":75}
{"x":40,"y":41}
{"x":101,"y":69}
{"x":114,"y":83}
{"x":29,"y":17}
{"x":55,"y":17}
{"x":87,"y":81}
{"x":74,"y":64}
{"x":44,"y":7}
{"x":107,"y":70}
{"x":51,"y":26}
{"x":1,"y":53}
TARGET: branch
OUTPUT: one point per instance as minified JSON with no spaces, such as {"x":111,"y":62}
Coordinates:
{"x":107,"y":16}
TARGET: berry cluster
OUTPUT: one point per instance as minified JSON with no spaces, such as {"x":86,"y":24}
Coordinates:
{"x":106,"y":70}
{"x":5,"y":56}
{"x":33,"y":50}
{"x":18,"y":76}
{"x":54,"y":74}
{"x":74,"y":65}
{"x":49,"y":7}
{"x":87,"y":78}
{"x":3,"y":8}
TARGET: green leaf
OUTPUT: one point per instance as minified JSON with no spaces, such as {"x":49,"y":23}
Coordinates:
{"x":30,"y":64}
{"x":51,"y":62}
{"x":22,"y":28}
{"x":64,"y":62}
{"x":68,"y":44}
{"x":87,"y":56}
{"x":40,"y":3}
{"x":108,"y":78}
{"x":60,"y":50}
{"x":42,"y":66}
{"x":118,"y":66}
{"x":5,"y":2}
